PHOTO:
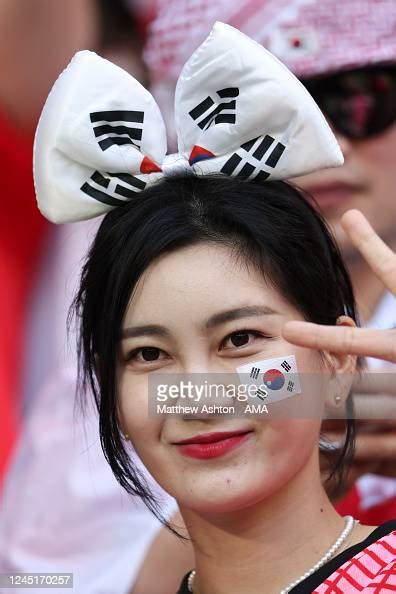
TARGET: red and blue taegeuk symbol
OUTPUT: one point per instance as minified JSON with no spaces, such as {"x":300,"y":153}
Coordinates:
{"x":274,"y":379}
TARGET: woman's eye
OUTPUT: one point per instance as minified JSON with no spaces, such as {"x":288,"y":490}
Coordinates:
{"x":145,"y":355}
{"x":242,"y":338}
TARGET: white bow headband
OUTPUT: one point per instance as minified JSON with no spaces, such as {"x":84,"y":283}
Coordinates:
{"x":238,"y":110}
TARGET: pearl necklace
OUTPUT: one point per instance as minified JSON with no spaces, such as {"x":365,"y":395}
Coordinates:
{"x":349,"y":525}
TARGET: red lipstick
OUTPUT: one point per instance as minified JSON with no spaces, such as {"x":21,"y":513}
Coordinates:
{"x":212,"y":445}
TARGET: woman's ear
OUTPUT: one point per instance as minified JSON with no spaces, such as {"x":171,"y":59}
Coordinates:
{"x":342,"y":368}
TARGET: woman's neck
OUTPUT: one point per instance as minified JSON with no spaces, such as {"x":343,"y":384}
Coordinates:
{"x":270,"y":543}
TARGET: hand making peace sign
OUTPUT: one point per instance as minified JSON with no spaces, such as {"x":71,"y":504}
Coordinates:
{"x":375,"y":442}
{"x":345,"y":339}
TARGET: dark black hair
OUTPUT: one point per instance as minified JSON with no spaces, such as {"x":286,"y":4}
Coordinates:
{"x":269,"y":224}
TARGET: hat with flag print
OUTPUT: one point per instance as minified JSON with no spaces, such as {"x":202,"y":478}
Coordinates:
{"x":311,"y":37}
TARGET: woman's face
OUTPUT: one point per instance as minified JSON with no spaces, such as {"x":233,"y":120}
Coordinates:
{"x":179,"y":293}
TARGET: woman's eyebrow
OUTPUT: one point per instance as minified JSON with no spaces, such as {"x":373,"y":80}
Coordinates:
{"x":247,"y":311}
{"x":222,"y":317}
{"x":145,"y":330}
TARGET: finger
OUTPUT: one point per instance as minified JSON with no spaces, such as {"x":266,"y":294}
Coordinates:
{"x":380,"y":344}
{"x":362,"y":430}
{"x":376,"y":447}
{"x":381,"y":407}
{"x":375,"y":382}
{"x":378,"y":255}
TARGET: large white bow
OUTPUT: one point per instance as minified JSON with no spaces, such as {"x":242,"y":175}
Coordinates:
{"x":238,"y":110}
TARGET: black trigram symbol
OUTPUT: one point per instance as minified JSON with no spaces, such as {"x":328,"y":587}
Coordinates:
{"x":286,"y":366}
{"x":207,"y":113}
{"x":290,"y":386}
{"x":254,"y":372}
{"x":260,"y":146}
{"x":117,"y":127}
{"x":106,"y":189}
{"x":261,"y":394}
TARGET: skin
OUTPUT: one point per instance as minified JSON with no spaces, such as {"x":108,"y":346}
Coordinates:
{"x":368,"y":176}
{"x":269,"y":486}
{"x":366,"y":182}
{"x":37,"y":40}
{"x":376,"y":391}
{"x":358,"y":341}
{"x":39,"y":37}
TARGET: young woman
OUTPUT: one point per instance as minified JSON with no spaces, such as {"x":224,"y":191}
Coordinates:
{"x":198,"y":274}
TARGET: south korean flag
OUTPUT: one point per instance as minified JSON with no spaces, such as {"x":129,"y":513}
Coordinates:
{"x":275,"y":379}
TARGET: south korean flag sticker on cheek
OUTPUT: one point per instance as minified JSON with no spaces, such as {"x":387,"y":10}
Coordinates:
{"x":274,"y":379}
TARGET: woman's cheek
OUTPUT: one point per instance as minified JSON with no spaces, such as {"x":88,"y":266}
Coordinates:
{"x":133,"y":402}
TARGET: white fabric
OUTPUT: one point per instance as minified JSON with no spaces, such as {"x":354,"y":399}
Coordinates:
{"x":99,"y":124}
{"x":47,"y":348}
{"x":374,"y":489}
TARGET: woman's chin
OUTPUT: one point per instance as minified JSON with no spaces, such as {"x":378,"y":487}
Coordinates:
{"x":224,"y":498}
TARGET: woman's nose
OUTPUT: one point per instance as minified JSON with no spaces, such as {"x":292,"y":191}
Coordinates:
{"x":192,"y":367}
{"x":205,"y":366}
{"x":198,"y":359}
{"x":208,"y":376}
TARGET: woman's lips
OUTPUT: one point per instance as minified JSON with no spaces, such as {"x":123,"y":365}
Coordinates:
{"x":212,"y":445}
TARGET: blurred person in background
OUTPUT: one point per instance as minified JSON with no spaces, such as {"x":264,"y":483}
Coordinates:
{"x":61,"y":509}
{"x":345,"y":53}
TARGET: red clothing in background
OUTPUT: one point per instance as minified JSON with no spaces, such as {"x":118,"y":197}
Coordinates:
{"x":354,"y":504}
{"x":22,"y":230}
